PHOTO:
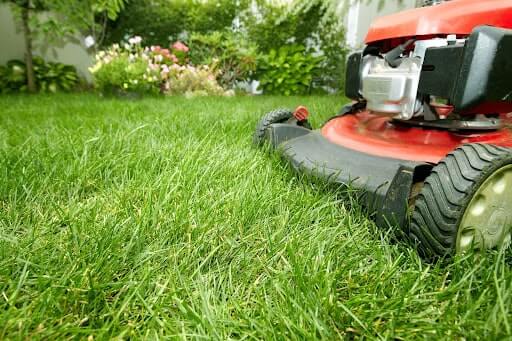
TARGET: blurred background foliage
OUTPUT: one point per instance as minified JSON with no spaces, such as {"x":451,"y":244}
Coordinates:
{"x":237,"y":35}
{"x":291,"y":47}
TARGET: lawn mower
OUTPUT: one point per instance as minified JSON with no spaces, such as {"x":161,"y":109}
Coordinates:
{"x":427,"y":137}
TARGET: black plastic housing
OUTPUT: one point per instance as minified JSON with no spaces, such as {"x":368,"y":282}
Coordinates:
{"x":353,"y":76}
{"x":473,"y":75}
{"x":441,"y":69}
{"x":486,"y":71}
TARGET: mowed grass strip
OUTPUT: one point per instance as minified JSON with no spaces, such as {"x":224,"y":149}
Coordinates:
{"x":157,"y":218}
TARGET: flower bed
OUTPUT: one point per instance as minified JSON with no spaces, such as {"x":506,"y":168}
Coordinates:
{"x":132,"y":68}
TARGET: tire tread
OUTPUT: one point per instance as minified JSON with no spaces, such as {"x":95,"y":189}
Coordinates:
{"x":446,"y":193}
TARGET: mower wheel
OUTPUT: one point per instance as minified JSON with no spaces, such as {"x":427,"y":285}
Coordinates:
{"x":276,"y":116}
{"x":465,"y":203}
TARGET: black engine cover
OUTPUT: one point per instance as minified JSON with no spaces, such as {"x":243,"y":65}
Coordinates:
{"x":486,"y":70}
{"x":353,"y":76}
{"x":472,"y":75}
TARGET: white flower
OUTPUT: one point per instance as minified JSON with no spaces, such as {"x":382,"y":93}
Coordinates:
{"x":95,"y":68}
{"x":135,"y":40}
{"x":183,"y":35}
{"x":89,"y":41}
{"x":132,"y":57}
{"x":159,"y":58}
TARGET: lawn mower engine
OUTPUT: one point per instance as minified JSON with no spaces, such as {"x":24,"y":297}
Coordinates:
{"x":427,"y":136}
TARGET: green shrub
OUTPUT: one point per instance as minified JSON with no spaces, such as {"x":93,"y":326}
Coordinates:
{"x":230,"y":54}
{"x":192,"y":81}
{"x":49,"y":76}
{"x":290,"y":70}
{"x":162,"y":21}
{"x":277,"y":25}
{"x":54,"y":77}
{"x":126,"y":69}
{"x":123,"y":75}
{"x":305,"y":23}
{"x":206,"y":25}
{"x":13,"y":77}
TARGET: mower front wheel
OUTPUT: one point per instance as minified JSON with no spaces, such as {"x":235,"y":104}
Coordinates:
{"x":465,"y":203}
{"x":273,"y":117}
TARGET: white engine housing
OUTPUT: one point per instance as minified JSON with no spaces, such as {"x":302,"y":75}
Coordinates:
{"x":390,"y":90}
{"x":394,"y":90}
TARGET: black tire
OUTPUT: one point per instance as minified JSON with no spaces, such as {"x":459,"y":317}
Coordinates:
{"x":275,"y":116}
{"x":447,"y":191}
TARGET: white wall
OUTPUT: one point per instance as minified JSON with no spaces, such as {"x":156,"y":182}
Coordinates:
{"x":67,"y":52}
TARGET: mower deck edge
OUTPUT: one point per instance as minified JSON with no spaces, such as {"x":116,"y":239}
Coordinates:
{"x":386,"y":183}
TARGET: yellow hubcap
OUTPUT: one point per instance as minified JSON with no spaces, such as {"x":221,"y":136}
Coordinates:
{"x":487,"y":221}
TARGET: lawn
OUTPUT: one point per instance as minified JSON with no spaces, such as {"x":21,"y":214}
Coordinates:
{"x":158,"y":218}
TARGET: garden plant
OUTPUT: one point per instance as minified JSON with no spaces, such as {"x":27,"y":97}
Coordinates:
{"x":131,"y":68}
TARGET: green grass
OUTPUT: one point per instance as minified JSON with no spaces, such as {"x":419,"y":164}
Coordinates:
{"x":157,"y":218}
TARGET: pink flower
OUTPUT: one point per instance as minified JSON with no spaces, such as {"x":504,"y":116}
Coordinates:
{"x":165,"y":70}
{"x":174,"y":59}
{"x":179,"y":46}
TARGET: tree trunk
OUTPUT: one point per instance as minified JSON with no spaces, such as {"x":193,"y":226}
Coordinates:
{"x":25,"y":16}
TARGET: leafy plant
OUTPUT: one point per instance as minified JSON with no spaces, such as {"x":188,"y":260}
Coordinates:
{"x":49,"y":76}
{"x":192,"y":81}
{"x":131,"y":68}
{"x":160,"y":22}
{"x":290,"y":70}
{"x":54,"y":77}
{"x":13,"y":77}
{"x":230,"y":54}
{"x":314,"y":25}
{"x":277,"y":23}
{"x":124,"y":69}
{"x":67,"y":17}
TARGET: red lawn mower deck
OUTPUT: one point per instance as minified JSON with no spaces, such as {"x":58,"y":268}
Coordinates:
{"x":426,"y":138}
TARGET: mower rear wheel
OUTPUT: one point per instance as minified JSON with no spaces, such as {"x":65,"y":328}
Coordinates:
{"x":465,"y":203}
{"x":273,"y":117}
